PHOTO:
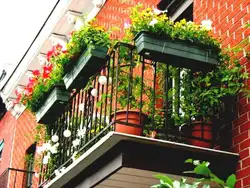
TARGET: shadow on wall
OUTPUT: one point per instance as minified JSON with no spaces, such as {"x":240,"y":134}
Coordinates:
{"x":2,"y":108}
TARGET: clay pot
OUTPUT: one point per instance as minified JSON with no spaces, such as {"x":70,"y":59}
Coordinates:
{"x":133,"y":117}
{"x":196,"y":132}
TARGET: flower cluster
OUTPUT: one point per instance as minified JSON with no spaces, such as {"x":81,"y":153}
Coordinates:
{"x":157,"y":23}
{"x":41,"y":82}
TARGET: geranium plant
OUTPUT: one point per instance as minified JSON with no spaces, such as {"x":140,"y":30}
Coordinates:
{"x":59,"y":59}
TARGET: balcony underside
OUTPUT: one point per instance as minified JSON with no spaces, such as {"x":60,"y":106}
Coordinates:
{"x":120,"y":160}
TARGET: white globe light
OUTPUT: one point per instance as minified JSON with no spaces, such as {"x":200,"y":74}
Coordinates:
{"x":94,"y":92}
{"x":55,"y":138}
{"x":67,"y":133}
{"x":102,"y":80}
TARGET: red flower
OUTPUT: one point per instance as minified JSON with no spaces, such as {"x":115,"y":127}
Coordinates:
{"x":45,"y":75}
{"x":36,"y":72}
{"x":28,"y":91}
{"x":58,"y":47}
{"x":31,"y":80}
{"x":48,"y":68}
{"x":50,"y":54}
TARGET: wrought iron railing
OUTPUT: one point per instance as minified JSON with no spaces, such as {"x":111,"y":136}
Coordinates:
{"x":16,"y":178}
{"x":131,"y":83}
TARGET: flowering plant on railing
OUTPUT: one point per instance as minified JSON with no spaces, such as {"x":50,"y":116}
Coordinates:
{"x":59,"y":59}
{"x":150,"y":21}
{"x":40,"y":85}
{"x":89,"y":36}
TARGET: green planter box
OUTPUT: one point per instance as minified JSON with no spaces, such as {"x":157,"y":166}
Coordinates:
{"x":89,"y":63}
{"x":177,"y":53}
{"x":53,"y":105}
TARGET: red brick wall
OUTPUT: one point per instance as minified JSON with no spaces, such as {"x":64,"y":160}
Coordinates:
{"x":115,"y":13}
{"x":7,"y":127}
{"x":228,"y":18}
{"x":18,"y":135}
{"x":24,"y":137}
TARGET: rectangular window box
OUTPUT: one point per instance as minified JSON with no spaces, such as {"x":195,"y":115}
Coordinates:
{"x":177,"y":52}
{"x":89,"y":63}
{"x":53,"y":105}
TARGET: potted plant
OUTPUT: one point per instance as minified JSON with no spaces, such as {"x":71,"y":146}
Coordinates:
{"x":45,"y":94}
{"x":183,"y":44}
{"x":203,"y":96}
{"x":86,"y":55}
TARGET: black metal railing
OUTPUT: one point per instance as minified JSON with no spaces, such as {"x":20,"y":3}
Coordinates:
{"x":128,"y":83}
{"x":16,"y":178}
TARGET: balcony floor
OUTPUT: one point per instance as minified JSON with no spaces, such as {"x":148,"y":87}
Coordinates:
{"x":121,"y":160}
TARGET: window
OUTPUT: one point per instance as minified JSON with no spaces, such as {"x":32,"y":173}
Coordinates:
{"x":1,"y":148}
{"x":30,"y":155}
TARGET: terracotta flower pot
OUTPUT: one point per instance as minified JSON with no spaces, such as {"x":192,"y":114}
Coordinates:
{"x":197,"y":133}
{"x":133,"y":117}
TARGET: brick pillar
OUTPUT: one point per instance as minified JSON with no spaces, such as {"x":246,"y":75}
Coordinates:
{"x":228,"y":18}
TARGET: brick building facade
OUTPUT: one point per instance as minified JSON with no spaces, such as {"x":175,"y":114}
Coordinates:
{"x":228,"y":19}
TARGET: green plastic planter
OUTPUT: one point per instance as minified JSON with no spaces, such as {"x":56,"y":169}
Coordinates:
{"x":178,"y":53}
{"x":53,"y":105}
{"x":89,"y":63}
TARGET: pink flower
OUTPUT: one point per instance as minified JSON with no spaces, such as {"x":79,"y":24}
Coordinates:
{"x":127,"y":24}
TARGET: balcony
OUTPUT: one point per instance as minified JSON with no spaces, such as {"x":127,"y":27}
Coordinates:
{"x":13,"y":178}
{"x":125,"y":123}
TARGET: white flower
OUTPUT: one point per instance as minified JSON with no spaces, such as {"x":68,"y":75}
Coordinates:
{"x":76,"y":142}
{"x":57,"y":172}
{"x":157,"y":11}
{"x":153,"y":22}
{"x":45,"y":160}
{"x":176,"y":184}
{"x":190,"y":23}
{"x":36,"y":174}
{"x":55,"y":138}
{"x":196,"y":162}
{"x":67,"y":133}
{"x":53,"y":149}
{"x":46,"y":146}
{"x":207,"y":164}
{"x":206,"y":24}
{"x":127,"y":25}
{"x":39,"y":150}
{"x":102,"y":80}
{"x":94,"y":92}
{"x":81,"y":107}
{"x":78,"y":24}
{"x":81,"y":132}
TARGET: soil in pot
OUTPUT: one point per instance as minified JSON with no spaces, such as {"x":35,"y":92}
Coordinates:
{"x":132,"y":117}
{"x":196,"y":132}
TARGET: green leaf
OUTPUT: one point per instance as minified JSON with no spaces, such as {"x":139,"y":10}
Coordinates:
{"x":164,"y":178}
{"x":189,"y":161}
{"x":202,"y":170}
{"x":231,"y":180}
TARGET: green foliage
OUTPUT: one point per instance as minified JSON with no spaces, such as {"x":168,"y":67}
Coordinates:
{"x":146,"y":20}
{"x":89,"y":36}
{"x":201,"y":169}
{"x":43,"y":89}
